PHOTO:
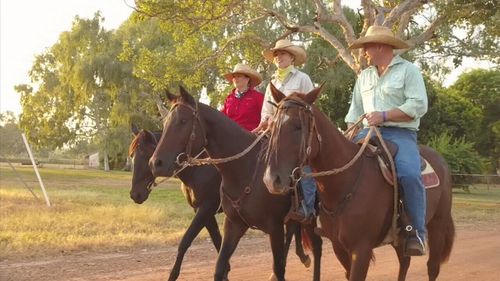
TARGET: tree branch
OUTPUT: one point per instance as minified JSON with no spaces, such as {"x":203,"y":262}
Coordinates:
{"x":369,"y":20}
{"x":397,"y":12}
{"x":427,"y":34}
{"x":337,"y":17}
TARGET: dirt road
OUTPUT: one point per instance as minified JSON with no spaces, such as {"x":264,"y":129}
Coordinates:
{"x":476,"y":256}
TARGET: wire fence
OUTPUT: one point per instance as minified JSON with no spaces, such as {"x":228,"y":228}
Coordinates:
{"x":465,"y":181}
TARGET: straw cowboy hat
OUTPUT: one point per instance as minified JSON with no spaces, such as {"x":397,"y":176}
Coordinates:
{"x":255,"y":77}
{"x":379,"y":34}
{"x":299,"y":53}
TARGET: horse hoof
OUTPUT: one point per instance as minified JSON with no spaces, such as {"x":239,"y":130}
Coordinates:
{"x":307,"y":261}
{"x":273,"y":277}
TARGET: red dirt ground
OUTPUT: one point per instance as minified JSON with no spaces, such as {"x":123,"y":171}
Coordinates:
{"x":476,"y":256}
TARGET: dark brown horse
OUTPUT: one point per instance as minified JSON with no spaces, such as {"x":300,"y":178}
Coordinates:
{"x":357,"y":203}
{"x":245,"y":200}
{"x":200,"y":185}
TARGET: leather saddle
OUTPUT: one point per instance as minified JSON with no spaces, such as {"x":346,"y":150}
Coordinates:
{"x":429,"y":177}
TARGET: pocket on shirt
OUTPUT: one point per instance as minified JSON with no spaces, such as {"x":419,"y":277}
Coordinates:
{"x":292,"y":86}
{"x":394,"y":87}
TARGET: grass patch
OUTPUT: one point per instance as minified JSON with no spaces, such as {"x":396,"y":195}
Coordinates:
{"x":91,"y":211}
{"x":478,"y":206}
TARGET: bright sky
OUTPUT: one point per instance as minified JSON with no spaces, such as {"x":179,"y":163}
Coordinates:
{"x":28,"y":27}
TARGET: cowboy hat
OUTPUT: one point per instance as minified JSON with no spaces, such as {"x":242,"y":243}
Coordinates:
{"x":379,"y":34}
{"x":298,"y":53}
{"x":255,"y":77}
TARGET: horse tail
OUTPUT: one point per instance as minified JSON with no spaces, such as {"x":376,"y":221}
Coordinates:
{"x":449,"y":239}
{"x":306,"y":239}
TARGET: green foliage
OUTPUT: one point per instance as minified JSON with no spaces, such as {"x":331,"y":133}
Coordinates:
{"x":451,"y":113}
{"x":459,"y":154}
{"x":10,"y":136}
{"x":482,"y":89}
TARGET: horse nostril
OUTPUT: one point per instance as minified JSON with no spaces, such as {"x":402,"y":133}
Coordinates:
{"x":158,"y":163}
{"x":277,"y":180}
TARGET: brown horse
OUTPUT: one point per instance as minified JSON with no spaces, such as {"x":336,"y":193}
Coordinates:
{"x":357,"y":203}
{"x":245,"y":199}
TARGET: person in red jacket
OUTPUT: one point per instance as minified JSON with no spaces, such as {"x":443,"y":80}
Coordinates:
{"x":244,"y":104}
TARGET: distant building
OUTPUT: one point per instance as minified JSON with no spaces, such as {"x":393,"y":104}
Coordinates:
{"x":94,"y":160}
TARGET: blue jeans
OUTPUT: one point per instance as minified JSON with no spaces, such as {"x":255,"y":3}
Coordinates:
{"x":308,"y":185}
{"x":407,"y":162}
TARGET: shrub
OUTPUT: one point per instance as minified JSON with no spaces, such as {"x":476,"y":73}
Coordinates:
{"x":458,"y":153}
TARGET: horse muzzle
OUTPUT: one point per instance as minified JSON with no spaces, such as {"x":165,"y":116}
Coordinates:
{"x":277,"y":184}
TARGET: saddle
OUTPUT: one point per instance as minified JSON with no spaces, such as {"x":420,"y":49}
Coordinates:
{"x":429,"y":177}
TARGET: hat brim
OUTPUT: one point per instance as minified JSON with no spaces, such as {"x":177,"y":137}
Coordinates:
{"x":300,"y":56}
{"x":255,"y":79}
{"x":382,"y":39}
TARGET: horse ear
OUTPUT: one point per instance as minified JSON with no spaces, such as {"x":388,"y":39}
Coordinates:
{"x":135,"y":130}
{"x":186,"y":96}
{"x":148,"y":136}
{"x":170,"y":97}
{"x":311,"y":97}
{"x":277,"y":94}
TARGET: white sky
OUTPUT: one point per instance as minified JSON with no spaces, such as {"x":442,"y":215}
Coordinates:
{"x":28,"y":27}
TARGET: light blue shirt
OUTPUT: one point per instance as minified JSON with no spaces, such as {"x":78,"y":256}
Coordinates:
{"x":401,"y":86}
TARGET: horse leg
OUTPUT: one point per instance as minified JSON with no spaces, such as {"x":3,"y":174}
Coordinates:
{"x":294,"y":228}
{"x":436,"y":244}
{"x":276,"y":237}
{"x":317,"y":244}
{"x":404,"y":261}
{"x":359,"y":265}
{"x":213,"y":230}
{"x":193,"y":230}
{"x":232,"y":235}
{"x":343,"y":257}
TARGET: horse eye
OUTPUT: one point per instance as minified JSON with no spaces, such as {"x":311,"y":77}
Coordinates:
{"x":297,"y":127}
{"x":183,"y":121}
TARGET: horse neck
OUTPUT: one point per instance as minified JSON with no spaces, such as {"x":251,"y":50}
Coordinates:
{"x":225,"y":138}
{"x":336,"y":150}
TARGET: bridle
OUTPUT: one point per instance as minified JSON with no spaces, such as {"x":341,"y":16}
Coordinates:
{"x":192,"y":136}
{"x":307,"y":136}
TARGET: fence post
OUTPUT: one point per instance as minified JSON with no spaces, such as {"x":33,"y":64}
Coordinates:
{"x":36,"y":169}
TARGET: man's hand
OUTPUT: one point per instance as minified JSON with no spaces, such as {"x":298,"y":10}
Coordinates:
{"x":375,"y":118}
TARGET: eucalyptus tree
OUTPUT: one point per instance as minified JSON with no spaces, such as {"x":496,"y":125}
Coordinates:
{"x":428,"y":25}
{"x":80,"y":90}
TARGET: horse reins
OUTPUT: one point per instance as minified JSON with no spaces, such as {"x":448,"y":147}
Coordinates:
{"x":194,"y":161}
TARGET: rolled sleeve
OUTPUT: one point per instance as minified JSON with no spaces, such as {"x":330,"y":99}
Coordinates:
{"x":415,"y":105}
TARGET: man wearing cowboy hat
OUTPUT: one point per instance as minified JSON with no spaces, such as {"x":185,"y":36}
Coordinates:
{"x":244,"y":104}
{"x":391,"y":92}
{"x":288,"y":79}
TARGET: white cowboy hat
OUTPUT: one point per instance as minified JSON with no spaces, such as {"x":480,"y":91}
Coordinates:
{"x":255,"y":77}
{"x":379,"y":34}
{"x":299,"y":53}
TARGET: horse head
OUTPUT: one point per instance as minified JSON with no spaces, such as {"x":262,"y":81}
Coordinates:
{"x":294,"y":140}
{"x":141,"y":148}
{"x":182,"y":134}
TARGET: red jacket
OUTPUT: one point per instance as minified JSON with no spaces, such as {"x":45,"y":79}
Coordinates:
{"x":246,"y":110}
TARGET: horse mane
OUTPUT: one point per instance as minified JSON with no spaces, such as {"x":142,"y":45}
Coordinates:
{"x":135,"y":143}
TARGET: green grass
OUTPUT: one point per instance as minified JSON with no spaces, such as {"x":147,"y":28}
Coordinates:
{"x":479,"y":206}
{"x":92,"y":211}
